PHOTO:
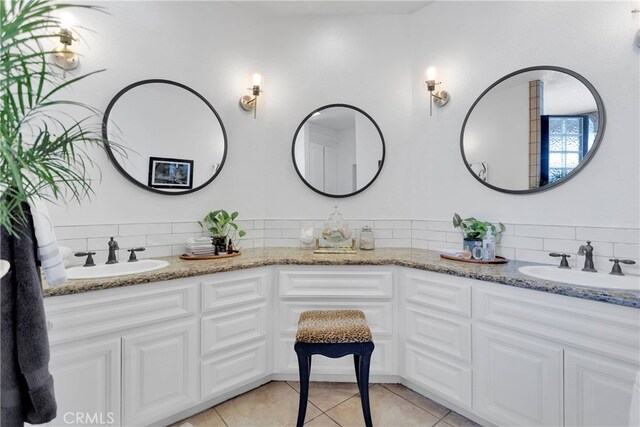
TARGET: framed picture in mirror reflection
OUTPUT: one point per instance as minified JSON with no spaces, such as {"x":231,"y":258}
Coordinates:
{"x":170,"y":173}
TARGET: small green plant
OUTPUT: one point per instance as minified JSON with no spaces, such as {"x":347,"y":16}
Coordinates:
{"x":474,"y":229}
{"x":221,"y":224}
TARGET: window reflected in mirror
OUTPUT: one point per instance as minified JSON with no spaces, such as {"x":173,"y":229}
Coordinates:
{"x":532,"y":130}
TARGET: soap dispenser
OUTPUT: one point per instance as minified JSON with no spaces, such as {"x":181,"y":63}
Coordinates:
{"x":489,"y":246}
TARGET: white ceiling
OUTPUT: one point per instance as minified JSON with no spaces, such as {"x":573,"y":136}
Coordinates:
{"x":332,"y":7}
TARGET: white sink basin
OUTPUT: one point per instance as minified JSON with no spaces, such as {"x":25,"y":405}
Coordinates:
{"x":582,"y":278}
{"x":112,"y":270}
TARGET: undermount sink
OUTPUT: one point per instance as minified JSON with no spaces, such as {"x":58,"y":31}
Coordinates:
{"x":582,"y":278}
{"x":111,"y":270}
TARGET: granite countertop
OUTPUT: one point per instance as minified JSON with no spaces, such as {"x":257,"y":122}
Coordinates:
{"x":506,"y":274}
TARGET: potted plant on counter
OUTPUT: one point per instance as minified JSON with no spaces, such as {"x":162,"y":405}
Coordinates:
{"x":474,"y":230}
{"x":223,"y":229}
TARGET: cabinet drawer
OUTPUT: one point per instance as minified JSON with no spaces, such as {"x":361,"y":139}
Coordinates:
{"x":604,"y":328}
{"x":220,"y":331}
{"x":221,"y":292}
{"x":438,"y":374}
{"x":379,"y":314}
{"x":381,"y":359}
{"x":232,"y":369}
{"x":434,"y":290}
{"x":446,"y":333}
{"x":89,"y":314}
{"x":336,"y":283}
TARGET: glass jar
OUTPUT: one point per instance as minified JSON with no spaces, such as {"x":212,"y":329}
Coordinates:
{"x":367,"y":241}
{"x":336,"y":230}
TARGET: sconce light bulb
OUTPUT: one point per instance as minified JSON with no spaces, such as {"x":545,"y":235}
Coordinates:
{"x":66,"y":21}
{"x":431,"y":73}
{"x":257,"y":79}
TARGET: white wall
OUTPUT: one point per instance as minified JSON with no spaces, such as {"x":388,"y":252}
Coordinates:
{"x":200,"y":45}
{"x":375,"y":63}
{"x":473,"y":44}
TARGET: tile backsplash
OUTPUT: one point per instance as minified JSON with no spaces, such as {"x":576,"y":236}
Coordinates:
{"x":524,"y":242}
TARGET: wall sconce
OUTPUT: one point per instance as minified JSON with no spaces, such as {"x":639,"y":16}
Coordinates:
{"x":441,"y":97}
{"x":63,"y":56}
{"x":248,"y":102}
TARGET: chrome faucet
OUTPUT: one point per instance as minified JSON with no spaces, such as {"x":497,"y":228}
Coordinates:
{"x":587,"y":251}
{"x":113,"y":247}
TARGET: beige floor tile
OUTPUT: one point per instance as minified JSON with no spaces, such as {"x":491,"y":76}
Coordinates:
{"x":322,"y":421}
{"x":209,"y":418}
{"x":326,"y":395}
{"x":456,"y":420}
{"x":387,"y":409}
{"x":273,"y":404}
{"x":417,"y":399}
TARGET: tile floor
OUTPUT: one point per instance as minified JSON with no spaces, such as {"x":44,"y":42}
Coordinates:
{"x":330,"y":405}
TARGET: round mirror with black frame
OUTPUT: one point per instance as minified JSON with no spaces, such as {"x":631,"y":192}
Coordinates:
{"x":338,"y":150}
{"x":173,"y":140}
{"x":532,"y":130}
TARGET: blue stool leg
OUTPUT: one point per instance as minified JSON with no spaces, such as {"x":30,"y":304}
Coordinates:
{"x":365,"y":362}
{"x":304,"y":368}
{"x":356,"y":363}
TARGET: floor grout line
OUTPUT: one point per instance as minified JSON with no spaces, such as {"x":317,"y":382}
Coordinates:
{"x":220,"y":415}
{"x":427,"y":411}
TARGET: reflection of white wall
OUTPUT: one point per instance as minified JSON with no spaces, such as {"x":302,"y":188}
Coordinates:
{"x":497,"y":133}
{"x":163,"y":120}
{"x":369,"y":150}
{"x":346,"y":159}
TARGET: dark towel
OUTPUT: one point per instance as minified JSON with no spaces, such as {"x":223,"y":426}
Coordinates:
{"x":27,"y":386}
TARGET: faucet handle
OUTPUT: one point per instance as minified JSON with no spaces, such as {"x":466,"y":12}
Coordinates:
{"x":132,"y":257}
{"x":615,"y":269}
{"x":563,"y":263}
{"x":89,"y":261}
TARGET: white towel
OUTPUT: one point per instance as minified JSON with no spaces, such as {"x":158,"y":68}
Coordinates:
{"x":451,"y":252}
{"x":48,"y":253}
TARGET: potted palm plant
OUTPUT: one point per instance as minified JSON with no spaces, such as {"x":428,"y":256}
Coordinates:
{"x":473,"y":230}
{"x":41,"y":147}
{"x":222,"y":227}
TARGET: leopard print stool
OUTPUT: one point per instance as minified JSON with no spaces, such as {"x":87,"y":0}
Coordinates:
{"x":334,"y":333}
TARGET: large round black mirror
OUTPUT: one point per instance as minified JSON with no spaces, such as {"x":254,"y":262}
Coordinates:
{"x":338,"y":150}
{"x":173,"y":140}
{"x":532,"y":130}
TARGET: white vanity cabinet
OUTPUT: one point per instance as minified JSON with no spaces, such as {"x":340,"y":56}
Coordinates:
{"x":156,"y":353}
{"x":518,"y":357}
{"x":95,"y":338}
{"x":543,"y":359}
{"x":235,"y":335}
{"x":437,"y":332}
{"x":365,"y":288}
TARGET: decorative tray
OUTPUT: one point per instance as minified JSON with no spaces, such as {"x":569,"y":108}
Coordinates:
{"x":498,"y":260}
{"x":199,"y":257}
{"x":335,"y":250}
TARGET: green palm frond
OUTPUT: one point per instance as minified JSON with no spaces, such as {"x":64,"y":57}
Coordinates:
{"x":42,"y":147}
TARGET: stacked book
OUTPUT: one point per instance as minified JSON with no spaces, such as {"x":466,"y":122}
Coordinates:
{"x":200,"y":246}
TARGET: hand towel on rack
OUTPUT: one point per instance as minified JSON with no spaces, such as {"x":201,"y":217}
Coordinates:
{"x":49,"y":255}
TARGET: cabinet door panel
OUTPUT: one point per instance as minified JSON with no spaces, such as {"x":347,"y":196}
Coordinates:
{"x":335,"y":283}
{"x":87,"y":383}
{"x":232,"y":289}
{"x":438,"y":291}
{"x":439,"y":374}
{"x":233,"y":327}
{"x":159,"y":372}
{"x":448,"y":334}
{"x":233,"y":369}
{"x":598,"y":390}
{"x":517,"y":378}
